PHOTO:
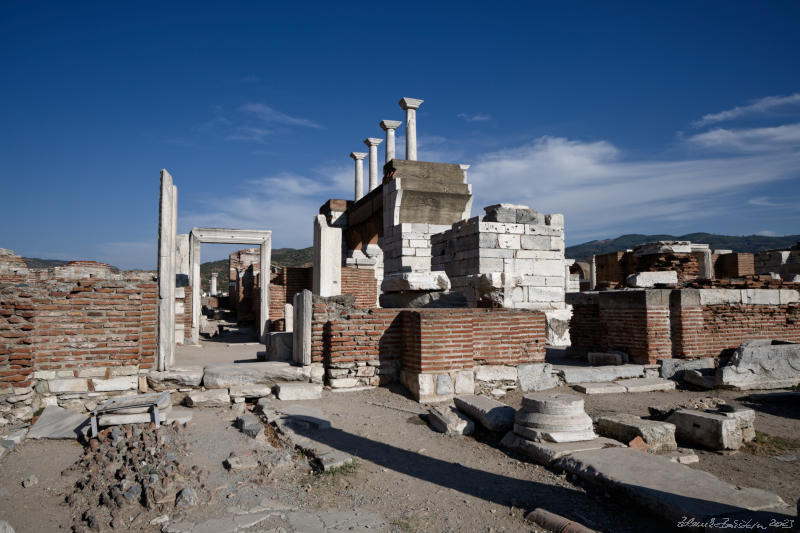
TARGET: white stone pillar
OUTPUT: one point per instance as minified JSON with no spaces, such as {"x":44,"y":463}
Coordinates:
{"x":389,"y":126}
{"x":301,"y":335}
{"x":358,"y":157}
{"x":166,"y":272}
{"x":592,"y":275}
{"x":288,"y":318}
{"x":411,"y":105}
{"x":213,"y":284}
{"x":373,"y":143}
{"x":265,"y":262}
{"x":327,"y":271}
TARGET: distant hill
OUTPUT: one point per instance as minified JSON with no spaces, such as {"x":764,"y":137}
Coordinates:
{"x":746,"y":243}
{"x":280,"y":257}
{"x":35,"y":262}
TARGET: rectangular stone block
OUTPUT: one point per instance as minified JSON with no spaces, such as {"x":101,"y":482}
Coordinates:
{"x":68,"y":385}
{"x":710,"y":430}
{"x":116,"y":384}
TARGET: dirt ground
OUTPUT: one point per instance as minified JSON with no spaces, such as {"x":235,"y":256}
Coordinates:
{"x":412,"y":477}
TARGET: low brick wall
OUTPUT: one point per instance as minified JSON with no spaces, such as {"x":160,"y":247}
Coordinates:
{"x":372,"y":346}
{"x":74,"y":336}
{"x":684,"y":323}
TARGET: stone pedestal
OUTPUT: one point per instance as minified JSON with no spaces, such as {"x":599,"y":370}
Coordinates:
{"x":553,"y":417}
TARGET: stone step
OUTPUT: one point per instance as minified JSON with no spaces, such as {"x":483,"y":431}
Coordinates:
{"x":647,"y":384}
{"x":594,"y":374}
{"x":225,"y":375}
{"x":545,"y":453}
{"x":601,"y":387}
{"x":670,"y":490}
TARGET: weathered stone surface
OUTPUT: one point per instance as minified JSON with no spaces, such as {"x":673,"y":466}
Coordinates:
{"x":545,"y":453}
{"x":682,"y":456}
{"x":309,"y":416}
{"x":698,"y":379}
{"x":761,"y":364}
{"x":301,"y":334}
{"x":745,"y":418}
{"x":553,"y":417}
{"x":181,"y":415}
{"x":343,"y":383}
{"x":646,"y":384}
{"x":535,"y":377}
{"x":114,"y":419}
{"x":449,"y":420}
{"x":255,"y":390}
{"x":68,"y":385}
{"x":495,"y":373}
{"x":600,"y":388}
{"x":250,"y":425}
{"x":58,"y":423}
{"x":176,"y":378}
{"x":240,"y":462}
{"x":5,"y":527}
{"x":659,"y":436}
{"x":116,"y":384}
{"x":647,"y":280}
{"x":299,"y":391}
{"x":710,"y":430}
{"x":674,"y":368}
{"x":225,"y":375}
{"x":667,"y":489}
{"x":208,"y":398}
{"x":557,"y":321}
{"x":491,"y":414}
{"x":594,"y":374}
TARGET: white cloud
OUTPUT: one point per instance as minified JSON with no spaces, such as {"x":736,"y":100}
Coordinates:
{"x":273,"y":116}
{"x":766,"y":233}
{"x":600,"y":192}
{"x":759,"y":106}
{"x":248,"y":133}
{"x":476,"y":117}
{"x":749,"y":140}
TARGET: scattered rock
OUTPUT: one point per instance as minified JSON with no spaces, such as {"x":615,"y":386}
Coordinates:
{"x":240,"y":462}
{"x":491,"y":414}
{"x":30,"y":481}
{"x":534,"y":377}
{"x":714,"y":431}
{"x":449,"y":420}
{"x":250,"y":425}
{"x":658,"y":436}
{"x":187,"y":497}
{"x":761,"y":364}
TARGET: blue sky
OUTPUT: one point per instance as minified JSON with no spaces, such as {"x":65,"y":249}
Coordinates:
{"x":645,"y":117}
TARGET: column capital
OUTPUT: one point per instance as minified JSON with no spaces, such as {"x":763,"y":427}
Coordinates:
{"x":390,"y":124}
{"x":358,"y":156}
{"x":372,"y":141}
{"x":410,"y":103}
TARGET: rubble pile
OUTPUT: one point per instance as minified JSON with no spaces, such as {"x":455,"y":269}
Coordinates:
{"x":131,"y":472}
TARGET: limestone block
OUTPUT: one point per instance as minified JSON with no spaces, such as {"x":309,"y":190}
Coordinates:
{"x":57,"y":386}
{"x":648,"y":280}
{"x":116,"y":384}
{"x":545,"y":294}
{"x":116,"y":419}
{"x":226,"y":375}
{"x":301,"y":342}
{"x":280,"y":345}
{"x":207,"y":398}
{"x":711,"y":430}
{"x":746,"y":419}
{"x":416,"y":281}
{"x":595,"y":374}
{"x":545,"y":453}
{"x":176,"y":378}
{"x":327,"y":271}
{"x":761,"y":296}
{"x":511,"y":241}
{"x":92,"y":372}
{"x":536,"y":377}
{"x":464,"y":382}
{"x":491,"y":414}
{"x":449,"y":420}
{"x":251,"y":390}
{"x":558,"y":326}
{"x":495,"y":373}
{"x":299,"y":391}
{"x":535,"y":242}
{"x":646,"y":384}
{"x":720,"y":296}
{"x":761,"y":364}
{"x":602,"y":387}
{"x":659,"y":436}
{"x":674,"y":368}
{"x":444,"y":385}
{"x":250,"y":425}
{"x":343,"y":383}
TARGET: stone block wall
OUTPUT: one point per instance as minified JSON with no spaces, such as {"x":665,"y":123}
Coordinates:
{"x":66,"y":336}
{"x":407,"y":247}
{"x":499,"y":264}
{"x":683,"y":323}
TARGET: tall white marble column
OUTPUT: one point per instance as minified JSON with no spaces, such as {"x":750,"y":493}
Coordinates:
{"x":389,"y":126}
{"x":372,"y":143}
{"x":358,"y":157}
{"x":213,"y":284}
{"x":411,"y":105}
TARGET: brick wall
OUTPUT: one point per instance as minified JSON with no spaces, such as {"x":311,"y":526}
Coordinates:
{"x":285,"y":283}
{"x":362,"y":284}
{"x":421,"y":340}
{"x":688,"y":323}
{"x":735,"y":265}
